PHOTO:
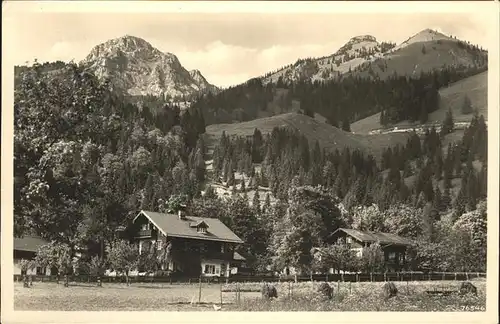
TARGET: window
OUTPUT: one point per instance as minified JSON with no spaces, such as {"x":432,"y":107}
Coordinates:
{"x":145,"y":227}
{"x":348,"y":240}
{"x":392,"y":256}
{"x":222,"y":248}
{"x":201,"y":229}
{"x":146,"y":246}
{"x":209,"y":269}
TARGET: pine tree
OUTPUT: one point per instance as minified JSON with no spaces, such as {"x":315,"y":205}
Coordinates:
{"x":231,"y":179}
{"x":382,"y":120}
{"x":267,"y":204}
{"x":446,"y":200}
{"x":256,"y":202}
{"x":210,"y":193}
{"x":448,"y":123}
{"x":147,"y":197}
{"x":437,"y":202}
{"x":243,"y":186}
{"x":346,"y":126}
{"x":466,"y":106}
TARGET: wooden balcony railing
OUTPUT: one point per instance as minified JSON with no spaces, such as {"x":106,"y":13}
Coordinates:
{"x":144,"y":233}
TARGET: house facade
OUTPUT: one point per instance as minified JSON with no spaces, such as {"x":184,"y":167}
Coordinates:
{"x":393,"y":246}
{"x":198,"y":245}
{"x":26,"y":248}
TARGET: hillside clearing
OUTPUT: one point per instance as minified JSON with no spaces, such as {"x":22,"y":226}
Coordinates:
{"x":328,"y":137}
{"x":474,"y":87}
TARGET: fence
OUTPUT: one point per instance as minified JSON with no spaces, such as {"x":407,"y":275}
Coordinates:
{"x":347,"y":277}
{"x":212,"y":292}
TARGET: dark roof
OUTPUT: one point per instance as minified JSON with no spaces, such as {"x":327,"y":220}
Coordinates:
{"x":28,"y":243}
{"x":171,"y":225}
{"x":371,"y":237}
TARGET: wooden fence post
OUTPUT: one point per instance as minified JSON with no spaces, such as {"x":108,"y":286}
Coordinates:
{"x":338,"y":285}
{"x":411,"y":276}
{"x":443,"y":276}
{"x":221,"y":294}
{"x":371,"y":276}
{"x":199,"y":292}
{"x":385,"y":276}
{"x":342,"y":276}
{"x":455,"y":276}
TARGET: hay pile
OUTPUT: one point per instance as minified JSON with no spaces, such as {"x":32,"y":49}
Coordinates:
{"x":389,"y":290}
{"x":467,"y":287}
{"x":269,"y":291}
{"x":325,"y":290}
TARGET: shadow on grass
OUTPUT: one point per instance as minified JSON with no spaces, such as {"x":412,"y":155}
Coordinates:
{"x":153,"y":287}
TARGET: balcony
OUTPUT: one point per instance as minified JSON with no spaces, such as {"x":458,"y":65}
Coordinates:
{"x":144,"y":233}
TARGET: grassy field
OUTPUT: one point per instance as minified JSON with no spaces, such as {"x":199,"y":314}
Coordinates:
{"x":363,"y":296}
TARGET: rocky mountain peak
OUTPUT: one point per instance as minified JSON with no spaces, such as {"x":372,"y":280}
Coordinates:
{"x":137,"y":68}
{"x":362,"y":38}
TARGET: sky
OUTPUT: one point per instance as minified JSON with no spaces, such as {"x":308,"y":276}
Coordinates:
{"x":227,"y":48}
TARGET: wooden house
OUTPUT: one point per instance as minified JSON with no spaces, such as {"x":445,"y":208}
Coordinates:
{"x":198,"y":245}
{"x":394,"y":246}
{"x":26,"y":248}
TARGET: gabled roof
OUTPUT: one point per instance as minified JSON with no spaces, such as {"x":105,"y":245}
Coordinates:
{"x":372,"y":237}
{"x":200,"y":223}
{"x":28,"y":243}
{"x":171,"y":225}
{"x":238,"y":257}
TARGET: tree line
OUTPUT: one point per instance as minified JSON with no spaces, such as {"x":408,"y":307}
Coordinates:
{"x":341,"y":101}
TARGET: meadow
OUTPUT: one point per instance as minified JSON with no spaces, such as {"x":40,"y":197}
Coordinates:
{"x":302,"y":296}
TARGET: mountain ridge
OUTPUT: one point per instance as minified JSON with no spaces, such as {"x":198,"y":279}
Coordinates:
{"x":360,"y":52}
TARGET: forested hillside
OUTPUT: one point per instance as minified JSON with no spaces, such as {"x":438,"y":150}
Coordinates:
{"x":340,"y":101}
